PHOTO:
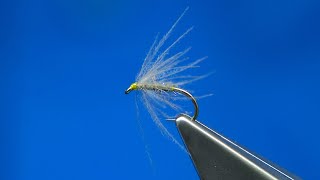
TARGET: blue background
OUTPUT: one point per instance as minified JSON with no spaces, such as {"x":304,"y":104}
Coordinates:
{"x":64,"y":66}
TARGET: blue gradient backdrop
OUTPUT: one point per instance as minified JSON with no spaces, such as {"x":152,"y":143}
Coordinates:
{"x":64,"y":66}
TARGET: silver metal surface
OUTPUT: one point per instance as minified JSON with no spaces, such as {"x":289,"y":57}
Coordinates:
{"x":216,"y":157}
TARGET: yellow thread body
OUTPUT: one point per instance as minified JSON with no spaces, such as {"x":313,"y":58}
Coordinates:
{"x":136,"y":86}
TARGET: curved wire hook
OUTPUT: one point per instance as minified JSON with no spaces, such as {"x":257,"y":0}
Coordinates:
{"x":195,"y":104}
{"x":135,"y":86}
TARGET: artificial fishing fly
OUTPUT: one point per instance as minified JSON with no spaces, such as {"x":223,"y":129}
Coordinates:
{"x":160,"y":79}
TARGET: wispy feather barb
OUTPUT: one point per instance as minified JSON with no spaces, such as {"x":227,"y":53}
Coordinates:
{"x":161,"y":74}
